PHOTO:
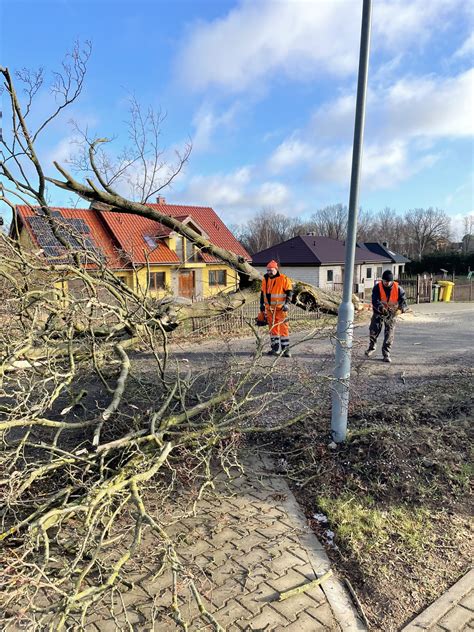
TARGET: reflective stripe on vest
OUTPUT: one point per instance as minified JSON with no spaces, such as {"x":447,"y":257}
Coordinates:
{"x":274,"y":287}
{"x":393,"y":297}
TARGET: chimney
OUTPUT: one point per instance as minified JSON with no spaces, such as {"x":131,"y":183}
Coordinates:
{"x":385,"y":244}
{"x":160,"y":200}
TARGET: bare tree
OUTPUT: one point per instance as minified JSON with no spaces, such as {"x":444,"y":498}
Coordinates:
{"x":388,"y":226}
{"x":266,"y":229}
{"x":330,"y":221}
{"x":141,"y":169}
{"x":425,"y":226}
{"x":365,"y":221}
{"x":468,"y":238}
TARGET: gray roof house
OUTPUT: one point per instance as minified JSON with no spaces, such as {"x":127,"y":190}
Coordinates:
{"x":320,"y":261}
{"x":383,"y":250}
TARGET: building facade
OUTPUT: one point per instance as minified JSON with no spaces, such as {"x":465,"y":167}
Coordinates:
{"x":148,"y":257}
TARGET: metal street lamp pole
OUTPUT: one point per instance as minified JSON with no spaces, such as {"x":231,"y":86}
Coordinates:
{"x":345,"y":322}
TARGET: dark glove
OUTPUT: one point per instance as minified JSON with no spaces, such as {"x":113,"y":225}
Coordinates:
{"x":285,"y":308}
{"x":261,"y":319}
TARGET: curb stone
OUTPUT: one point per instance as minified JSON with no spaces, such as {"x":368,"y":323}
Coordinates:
{"x":336,"y":594}
{"x":452,"y":612}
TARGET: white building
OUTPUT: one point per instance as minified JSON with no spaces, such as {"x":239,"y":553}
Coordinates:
{"x":320,"y":262}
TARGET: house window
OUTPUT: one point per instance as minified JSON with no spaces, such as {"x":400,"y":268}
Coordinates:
{"x":180,"y":247}
{"x":157,"y":281}
{"x":369,"y":273}
{"x":217,"y":277}
{"x":330,"y":276}
{"x":400,"y":270}
{"x":150,"y":241}
{"x":379,"y":272}
{"x":191,"y":253}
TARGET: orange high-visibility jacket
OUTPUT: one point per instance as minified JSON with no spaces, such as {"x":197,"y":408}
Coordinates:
{"x":390,"y":302}
{"x":274,"y":290}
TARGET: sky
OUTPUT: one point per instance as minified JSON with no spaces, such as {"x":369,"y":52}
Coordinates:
{"x":265,"y":90}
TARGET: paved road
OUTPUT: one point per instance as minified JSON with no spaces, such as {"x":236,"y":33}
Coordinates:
{"x":434,"y":336}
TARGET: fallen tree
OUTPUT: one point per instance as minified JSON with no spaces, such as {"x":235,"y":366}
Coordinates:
{"x":94,"y":449}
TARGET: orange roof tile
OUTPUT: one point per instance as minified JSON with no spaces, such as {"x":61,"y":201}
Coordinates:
{"x":131,"y":232}
{"x":209,"y":221}
{"x":127,"y":238}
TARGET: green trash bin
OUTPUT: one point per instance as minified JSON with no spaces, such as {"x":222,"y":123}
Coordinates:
{"x":435,"y":293}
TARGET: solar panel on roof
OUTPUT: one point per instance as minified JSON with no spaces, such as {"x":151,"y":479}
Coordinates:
{"x":72,"y":231}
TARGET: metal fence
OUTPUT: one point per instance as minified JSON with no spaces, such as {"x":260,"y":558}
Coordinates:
{"x":463,"y":292}
{"x":418,"y":289}
{"x":237,"y":322}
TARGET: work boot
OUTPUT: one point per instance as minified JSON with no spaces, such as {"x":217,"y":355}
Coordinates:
{"x":273,"y":352}
{"x":387,"y":358}
{"x":286,"y":353}
{"x":370,"y":351}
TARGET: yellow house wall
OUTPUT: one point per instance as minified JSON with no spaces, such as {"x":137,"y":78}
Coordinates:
{"x":232,"y":280}
{"x":139,"y":280}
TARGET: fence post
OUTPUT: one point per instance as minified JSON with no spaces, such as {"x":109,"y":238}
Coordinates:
{"x":470,"y":291}
{"x":417,"y":289}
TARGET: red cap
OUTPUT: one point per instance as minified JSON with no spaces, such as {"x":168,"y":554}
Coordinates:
{"x":272,"y":264}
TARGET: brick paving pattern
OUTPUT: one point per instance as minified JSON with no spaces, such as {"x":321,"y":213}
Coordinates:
{"x":452,"y":612}
{"x":251,"y":544}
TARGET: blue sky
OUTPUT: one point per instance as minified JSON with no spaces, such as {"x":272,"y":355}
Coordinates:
{"x":266,"y":91}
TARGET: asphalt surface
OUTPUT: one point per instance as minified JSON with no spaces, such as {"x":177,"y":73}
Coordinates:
{"x":434,"y":335}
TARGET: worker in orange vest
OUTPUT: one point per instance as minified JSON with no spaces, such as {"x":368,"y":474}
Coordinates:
{"x":387,"y":297}
{"x":275,"y":299}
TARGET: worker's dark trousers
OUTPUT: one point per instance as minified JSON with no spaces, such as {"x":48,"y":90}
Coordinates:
{"x":376,"y":324}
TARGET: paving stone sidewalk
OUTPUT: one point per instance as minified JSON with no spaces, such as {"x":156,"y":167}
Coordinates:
{"x":252,"y":544}
{"x":452,"y":612}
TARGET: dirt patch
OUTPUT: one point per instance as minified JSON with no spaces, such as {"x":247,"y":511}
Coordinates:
{"x":392,"y":504}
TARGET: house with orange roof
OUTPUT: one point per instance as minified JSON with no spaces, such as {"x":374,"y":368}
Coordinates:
{"x":147,"y":256}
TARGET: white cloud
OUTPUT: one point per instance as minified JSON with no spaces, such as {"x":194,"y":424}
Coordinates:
{"x":413,"y":107}
{"x":467,"y":48}
{"x":207,"y":122}
{"x":433,"y":107}
{"x":290,"y":153}
{"x":62,"y":151}
{"x":398,"y":23}
{"x":383,"y":165}
{"x":238,"y":192}
{"x":299,"y":38}
{"x":404,"y":123}
{"x":257,"y":39}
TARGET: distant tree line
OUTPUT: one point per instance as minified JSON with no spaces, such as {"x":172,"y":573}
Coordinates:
{"x":454,"y":262}
{"x":415,"y":233}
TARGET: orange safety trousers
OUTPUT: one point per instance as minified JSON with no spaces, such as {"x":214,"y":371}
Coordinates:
{"x":277,"y":321}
